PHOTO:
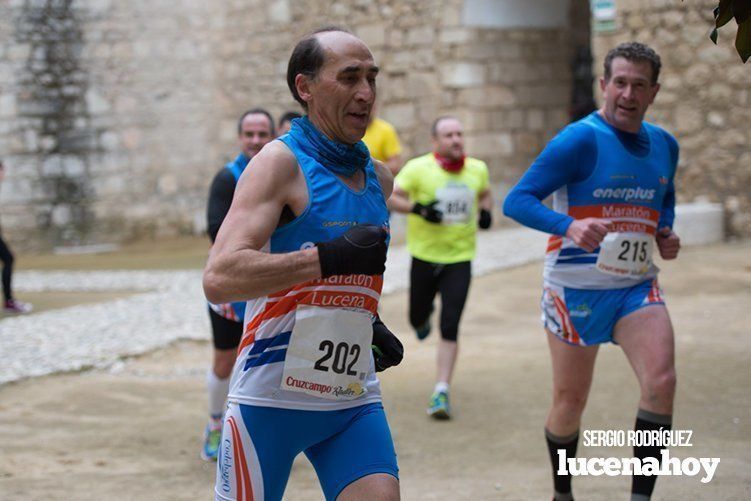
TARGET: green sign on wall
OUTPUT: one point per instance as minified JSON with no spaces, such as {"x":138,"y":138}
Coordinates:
{"x":603,"y":15}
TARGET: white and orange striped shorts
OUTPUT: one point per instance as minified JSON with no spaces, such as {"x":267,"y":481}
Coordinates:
{"x":587,"y":316}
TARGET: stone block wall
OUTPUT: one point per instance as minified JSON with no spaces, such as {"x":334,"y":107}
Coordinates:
{"x":114,"y":116}
{"x":108,"y":125}
{"x":704,"y":100}
{"x":511,"y":88}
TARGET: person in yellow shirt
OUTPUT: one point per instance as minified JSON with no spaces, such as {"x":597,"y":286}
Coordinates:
{"x":446,"y":196}
{"x":383,"y":143}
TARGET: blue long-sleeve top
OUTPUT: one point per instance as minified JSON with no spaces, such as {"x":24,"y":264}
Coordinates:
{"x":571,"y":157}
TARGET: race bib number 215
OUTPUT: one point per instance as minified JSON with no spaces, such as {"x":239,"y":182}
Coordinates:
{"x":625,"y":254}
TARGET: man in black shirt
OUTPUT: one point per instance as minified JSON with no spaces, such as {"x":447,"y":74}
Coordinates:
{"x":255,"y":128}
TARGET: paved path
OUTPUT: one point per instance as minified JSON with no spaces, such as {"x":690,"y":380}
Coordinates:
{"x":171,"y":307}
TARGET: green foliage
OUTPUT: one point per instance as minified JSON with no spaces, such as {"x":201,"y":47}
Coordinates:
{"x":740,"y":10}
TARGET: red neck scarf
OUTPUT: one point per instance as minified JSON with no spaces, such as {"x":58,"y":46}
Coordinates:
{"x":450,"y":165}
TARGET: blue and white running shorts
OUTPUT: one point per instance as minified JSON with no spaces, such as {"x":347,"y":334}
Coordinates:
{"x":259,"y":445}
{"x":587,"y":316}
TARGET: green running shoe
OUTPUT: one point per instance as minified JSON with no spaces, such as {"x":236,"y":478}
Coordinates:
{"x":212,"y":437}
{"x":439,"y":406}
{"x":423,"y":331}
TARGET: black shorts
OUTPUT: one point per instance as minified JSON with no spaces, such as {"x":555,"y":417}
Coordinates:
{"x":452,"y":281}
{"x":226,"y":333}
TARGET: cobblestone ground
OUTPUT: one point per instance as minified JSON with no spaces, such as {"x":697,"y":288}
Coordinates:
{"x":171,"y":307}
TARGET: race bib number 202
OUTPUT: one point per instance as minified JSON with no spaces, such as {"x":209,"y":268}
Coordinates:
{"x":329,"y":353}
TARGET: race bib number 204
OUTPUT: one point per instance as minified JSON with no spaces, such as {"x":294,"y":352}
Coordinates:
{"x":329,"y":353}
{"x":455,"y":201}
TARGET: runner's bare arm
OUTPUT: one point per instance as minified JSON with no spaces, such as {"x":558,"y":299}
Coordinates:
{"x":399,"y":200}
{"x":394,"y":164}
{"x":485,"y":200}
{"x":237,"y":269}
{"x":385,"y":177}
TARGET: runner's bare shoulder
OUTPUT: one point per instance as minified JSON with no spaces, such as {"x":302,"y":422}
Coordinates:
{"x":271,"y":173}
{"x":385,"y":177}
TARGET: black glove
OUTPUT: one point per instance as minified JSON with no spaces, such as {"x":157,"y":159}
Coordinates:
{"x":428,"y":212}
{"x":387,"y":349}
{"x":362,"y":249}
{"x":486,"y":219}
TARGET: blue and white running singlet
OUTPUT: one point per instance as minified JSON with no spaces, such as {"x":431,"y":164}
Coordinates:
{"x":595,"y":170}
{"x":308,"y":347}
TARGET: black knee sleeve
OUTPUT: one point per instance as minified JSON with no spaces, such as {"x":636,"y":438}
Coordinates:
{"x":449,"y":333}
{"x":454,"y":287}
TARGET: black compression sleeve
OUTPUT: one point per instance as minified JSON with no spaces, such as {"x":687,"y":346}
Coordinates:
{"x":220,"y":198}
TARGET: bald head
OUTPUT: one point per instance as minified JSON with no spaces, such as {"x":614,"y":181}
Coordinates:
{"x":337,"y":42}
{"x":448,"y":137}
{"x":332,"y":74}
{"x":438,"y":122}
{"x":312,"y":51}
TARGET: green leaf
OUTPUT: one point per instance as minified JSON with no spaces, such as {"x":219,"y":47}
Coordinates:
{"x":723,"y":13}
{"x":713,"y":36}
{"x":743,"y":40}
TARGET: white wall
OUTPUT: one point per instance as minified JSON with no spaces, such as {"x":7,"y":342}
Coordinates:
{"x":516,"y":13}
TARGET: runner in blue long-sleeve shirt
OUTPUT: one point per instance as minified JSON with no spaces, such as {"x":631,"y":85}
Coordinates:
{"x":611,"y":176}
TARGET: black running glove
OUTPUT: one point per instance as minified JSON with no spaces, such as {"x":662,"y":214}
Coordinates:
{"x":361,"y":250}
{"x":387,"y":349}
{"x":486,"y":219}
{"x":428,"y":212}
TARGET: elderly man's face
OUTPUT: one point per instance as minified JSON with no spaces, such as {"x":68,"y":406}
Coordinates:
{"x":255,"y":132}
{"x":449,"y":139}
{"x":340,"y":99}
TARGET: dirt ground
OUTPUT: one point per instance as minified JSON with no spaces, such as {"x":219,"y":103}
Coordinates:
{"x":134,"y":432}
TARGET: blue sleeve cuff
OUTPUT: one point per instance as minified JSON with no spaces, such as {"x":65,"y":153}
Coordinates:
{"x":562,"y":227}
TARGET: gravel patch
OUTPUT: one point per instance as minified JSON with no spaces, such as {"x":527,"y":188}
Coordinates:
{"x":171,"y":308}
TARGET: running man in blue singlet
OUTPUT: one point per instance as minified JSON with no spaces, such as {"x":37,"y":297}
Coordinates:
{"x":255,"y":129}
{"x":304,"y":379}
{"x":611,"y":176}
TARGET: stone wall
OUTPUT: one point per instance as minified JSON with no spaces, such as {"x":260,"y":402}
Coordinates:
{"x":511,"y":88}
{"x":114,"y":116}
{"x":46,"y":129}
{"x":705,"y":98}
{"x":108,"y":125}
